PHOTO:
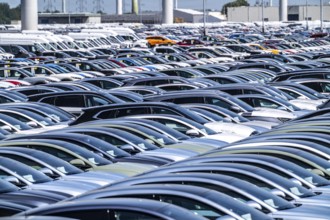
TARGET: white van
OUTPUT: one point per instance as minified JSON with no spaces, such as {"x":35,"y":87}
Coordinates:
{"x":129,"y":35}
{"x":112,"y":36}
{"x":96,"y":39}
{"x":31,"y":43}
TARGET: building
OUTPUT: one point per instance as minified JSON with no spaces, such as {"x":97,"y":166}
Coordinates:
{"x":252,"y":13}
{"x":193,"y":16}
{"x":180,"y":16}
{"x":67,"y":18}
{"x":295,"y":13}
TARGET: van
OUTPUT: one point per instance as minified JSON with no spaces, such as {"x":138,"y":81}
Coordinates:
{"x":112,"y":36}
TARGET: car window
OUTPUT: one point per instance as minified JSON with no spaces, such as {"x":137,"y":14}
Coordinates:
{"x":133,"y":215}
{"x":188,"y":100}
{"x":251,"y":91}
{"x":70,"y":101}
{"x":49,"y":100}
{"x":107,"y":114}
{"x":4,"y":99}
{"x":132,"y":111}
{"x":218,"y":102}
{"x":92,"y":100}
{"x":4,"y":212}
{"x":55,"y":152}
{"x":107,"y":138}
{"x":233,"y":91}
{"x":24,"y":160}
{"x":84,"y":214}
{"x":158,"y":110}
{"x":192,"y":205}
{"x":173,"y":124}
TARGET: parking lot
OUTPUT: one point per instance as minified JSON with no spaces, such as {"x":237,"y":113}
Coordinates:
{"x":165,"y":123}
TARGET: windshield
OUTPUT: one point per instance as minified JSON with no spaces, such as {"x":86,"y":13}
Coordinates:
{"x":135,"y":140}
{"x":303,"y":173}
{"x":155,"y":135}
{"x":26,"y":72}
{"x":184,"y":125}
{"x":106,"y":147}
{"x":245,"y":212}
{"x":29,"y":174}
{"x":112,"y":39}
{"x":88,"y":155}
{"x":294,"y":188}
{"x":163,"y":129}
{"x":208,"y":115}
{"x":268,"y":198}
{"x":25,"y":117}
{"x":4,"y":120}
{"x":58,"y":69}
{"x":60,"y":165}
{"x":240,"y":103}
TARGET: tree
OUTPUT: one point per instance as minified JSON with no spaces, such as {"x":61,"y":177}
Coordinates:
{"x":7,"y":14}
{"x":236,"y":3}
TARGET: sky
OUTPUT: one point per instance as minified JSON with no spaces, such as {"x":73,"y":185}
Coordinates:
{"x":109,"y":6}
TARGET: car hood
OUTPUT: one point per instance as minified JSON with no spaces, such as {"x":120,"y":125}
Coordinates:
{"x":100,"y":179}
{"x":273,"y":113}
{"x":306,"y":104}
{"x":125,"y":168}
{"x":226,"y":127}
{"x":67,"y":187}
{"x":264,"y":124}
{"x":207,"y":142}
{"x":170,"y":153}
{"x":319,"y":200}
{"x":227,"y":137}
{"x":303,"y":212}
{"x":194,"y":147}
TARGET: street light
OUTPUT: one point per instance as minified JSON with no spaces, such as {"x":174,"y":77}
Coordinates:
{"x":262,"y":16}
{"x":306,"y":14}
{"x":321,"y":14}
{"x":204,"y":17}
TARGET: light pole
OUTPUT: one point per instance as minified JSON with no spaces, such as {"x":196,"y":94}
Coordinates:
{"x":263,"y":16}
{"x":204,"y":18}
{"x":306,"y":14}
{"x":321,"y":14}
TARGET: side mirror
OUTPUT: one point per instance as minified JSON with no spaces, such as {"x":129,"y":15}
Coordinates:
{"x":296,"y":181}
{"x":78,"y":163}
{"x":12,"y":179}
{"x":235,"y":109}
{"x":150,"y":141}
{"x":254,"y":204}
{"x":32,"y":124}
{"x":192,"y":132}
{"x":278,"y":192}
{"x":302,"y":97}
{"x":318,"y":172}
{"x":47,"y":171}
{"x":7,"y":128}
{"x":128,"y":148}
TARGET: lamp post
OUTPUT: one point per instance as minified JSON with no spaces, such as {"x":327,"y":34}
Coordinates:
{"x":263,"y":16}
{"x":306,"y":14}
{"x":204,"y":18}
{"x":321,"y":14}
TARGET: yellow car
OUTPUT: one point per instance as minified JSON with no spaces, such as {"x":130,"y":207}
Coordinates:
{"x":158,"y":40}
{"x":259,"y":47}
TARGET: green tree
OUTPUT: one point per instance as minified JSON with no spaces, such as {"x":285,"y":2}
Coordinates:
{"x":7,"y":14}
{"x":236,"y":3}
